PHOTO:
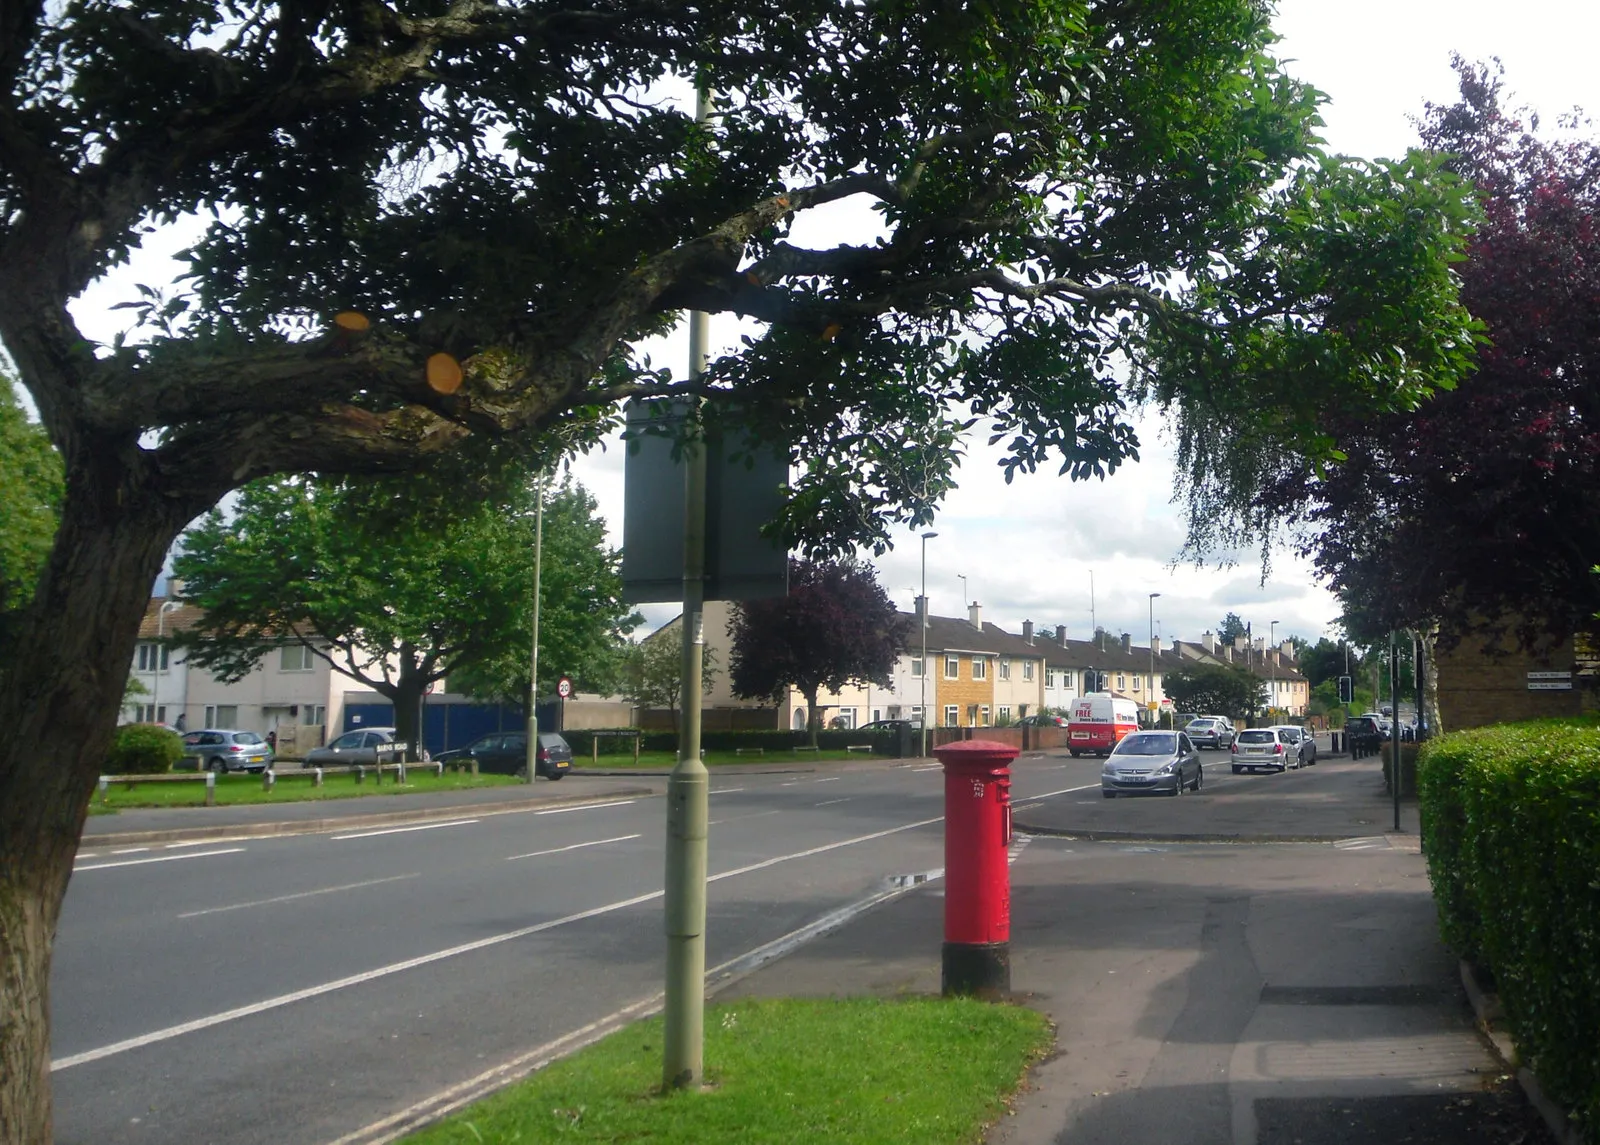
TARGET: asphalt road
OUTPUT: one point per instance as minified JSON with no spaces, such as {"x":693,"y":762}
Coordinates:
{"x":304,"y":988}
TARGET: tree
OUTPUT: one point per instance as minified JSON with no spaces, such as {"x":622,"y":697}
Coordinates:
{"x":397,"y":590}
{"x":1326,"y":659}
{"x":430,"y":231}
{"x":1231,"y":628}
{"x":653,"y":675}
{"x":30,"y":482}
{"x":1225,"y":689}
{"x":836,"y":627}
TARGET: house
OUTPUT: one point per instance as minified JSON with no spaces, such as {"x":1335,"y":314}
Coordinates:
{"x":976,"y":674}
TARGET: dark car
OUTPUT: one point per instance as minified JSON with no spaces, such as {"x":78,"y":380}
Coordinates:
{"x":363,"y":746}
{"x":1042,"y":721}
{"x":1363,"y":734}
{"x":506,"y":753}
{"x":225,"y":750}
{"x":1147,"y":762}
{"x":885,"y":726}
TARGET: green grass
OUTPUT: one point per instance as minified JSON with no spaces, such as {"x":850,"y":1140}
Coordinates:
{"x":863,"y":1071}
{"x":666,"y":759}
{"x":292,"y":786}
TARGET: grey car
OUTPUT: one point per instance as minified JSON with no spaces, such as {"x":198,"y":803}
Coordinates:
{"x":225,"y":750}
{"x":1149,"y":762}
{"x":1303,"y":741}
{"x":361,"y":746}
{"x":1210,"y":731}
{"x":1263,"y":749}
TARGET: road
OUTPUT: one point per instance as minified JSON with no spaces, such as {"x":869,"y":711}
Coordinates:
{"x":305,"y":988}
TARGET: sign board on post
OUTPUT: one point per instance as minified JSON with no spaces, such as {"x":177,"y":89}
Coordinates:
{"x":1549,"y":681}
{"x":564,"y":688}
{"x":743,"y":493}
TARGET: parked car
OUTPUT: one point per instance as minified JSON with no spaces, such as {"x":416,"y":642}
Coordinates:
{"x":506,"y":753}
{"x":1211,"y":731}
{"x":361,"y":746}
{"x":225,"y":750}
{"x":1363,"y":734}
{"x":883,"y":726}
{"x":1042,"y":721}
{"x":1146,"y":762}
{"x":1255,"y":749}
{"x":1305,"y":743}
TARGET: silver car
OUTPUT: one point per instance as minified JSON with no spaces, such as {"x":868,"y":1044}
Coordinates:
{"x":1210,"y":731}
{"x":1263,"y":749}
{"x":1305,"y":743}
{"x":361,"y":746}
{"x":1148,"y":762}
{"x":225,"y":750}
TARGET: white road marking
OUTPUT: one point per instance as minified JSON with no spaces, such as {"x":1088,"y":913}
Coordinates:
{"x":376,"y":973}
{"x":572,"y":847}
{"x":736,"y":818}
{"x":830,"y":779}
{"x":829,"y":802}
{"x":935,"y":767}
{"x":129,"y":850}
{"x":587,"y":807}
{"x":158,"y":859}
{"x":1067,"y":791}
{"x":402,"y":830}
{"x":301,"y":895}
{"x":791,"y":783}
{"x":726,"y":790}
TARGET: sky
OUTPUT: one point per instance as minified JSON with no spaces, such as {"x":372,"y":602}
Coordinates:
{"x":1031,"y":550}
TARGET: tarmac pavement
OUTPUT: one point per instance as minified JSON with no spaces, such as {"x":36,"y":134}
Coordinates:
{"x":1205,"y":993}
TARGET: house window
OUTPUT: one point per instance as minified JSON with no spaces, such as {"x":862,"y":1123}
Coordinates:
{"x":313,"y":714}
{"x":952,"y":667}
{"x":983,"y":715}
{"x":846,"y":718}
{"x":153,"y":657}
{"x":294,"y":658}
{"x":877,"y":714}
{"x":1122,"y":681}
{"x":222,"y":715}
{"x":1005,"y":714}
{"x":980,"y":667}
{"x":952,"y":716}
{"x":1136,"y":683}
{"x":1005,"y":667}
{"x":1050,"y":677}
{"x":916,"y":666}
{"x":1027,"y":670}
{"x":150,"y":714}
{"x":916,"y":713}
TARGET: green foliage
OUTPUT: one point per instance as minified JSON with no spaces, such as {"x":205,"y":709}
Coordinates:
{"x":1223,"y":689}
{"x":653,"y":671}
{"x":143,"y":749}
{"x":30,"y":488}
{"x":1511,"y":828}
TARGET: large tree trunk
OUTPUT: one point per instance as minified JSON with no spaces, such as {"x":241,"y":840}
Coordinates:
{"x":61,"y":680}
{"x":813,"y":716}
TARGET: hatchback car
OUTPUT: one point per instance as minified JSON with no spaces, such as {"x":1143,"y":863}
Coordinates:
{"x":1305,"y":743}
{"x":1042,"y":721}
{"x":225,"y":750}
{"x":1146,"y":762}
{"x":506,"y":753}
{"x":1263,"y":749}
{"x":1211,"y":731}
{"x":362,"y":746}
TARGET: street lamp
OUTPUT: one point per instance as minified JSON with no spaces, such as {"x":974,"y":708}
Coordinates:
{"x":1150,"y":691}
{"x":1272,"y":642}
{"x":963,"y":580}
{"x":156,"y":655}
{"x":922,"y":695}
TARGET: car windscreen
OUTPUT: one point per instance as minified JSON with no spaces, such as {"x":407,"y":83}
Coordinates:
{"x":551,"y":741}
{"x":1262,"y":736}
{"x":1148,"y":745}
{"x":246,"y":737}
{"x":1198,"y":726}
{"x":349,"y":739}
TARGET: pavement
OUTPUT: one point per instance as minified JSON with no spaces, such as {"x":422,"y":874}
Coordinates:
{"x":1245,"y":992}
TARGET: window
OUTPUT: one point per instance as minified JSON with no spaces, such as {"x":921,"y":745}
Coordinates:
{"x":980,"y":667}
{"x":150,"y":713}
{"x":1005,"y":713}
{"x":1136,"y":683}
{"x":222,"y":715}
{"x":153,"y":657}
{"x":1049,"y":677}
{"x":313,"y":714}
{"x":846,"y":718}
{"x":916,"y":713}
{"x":1027,"y":670}
{"x":294,"y":658}
{"x":916,"y":666}
{"x":952,"y":667}
{"x":983,"y":715}
{"x":952,"y":716}
{"x":1122,"y":681}
{"x":1005,"y":667}
{"x":877,"y":714}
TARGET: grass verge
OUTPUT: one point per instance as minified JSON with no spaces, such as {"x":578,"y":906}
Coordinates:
{"x":858,"y":1071}
{"x":666,"y":759}
{"x":293,"y":786}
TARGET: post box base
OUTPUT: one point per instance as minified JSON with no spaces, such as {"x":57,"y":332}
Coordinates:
{"x":981,"y":969}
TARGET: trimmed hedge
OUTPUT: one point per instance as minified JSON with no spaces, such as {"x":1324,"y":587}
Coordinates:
{"x":582,"y":740}
{"x":143,"y":749}
{"x":1511,"y":828}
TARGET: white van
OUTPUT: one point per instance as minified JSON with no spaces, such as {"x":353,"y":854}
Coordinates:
{"x":1097,"y":722}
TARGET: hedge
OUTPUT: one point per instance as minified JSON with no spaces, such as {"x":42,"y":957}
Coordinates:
{"x":143,"y":749}
{"x":582,"y":740}
{"x":1511,"y":828}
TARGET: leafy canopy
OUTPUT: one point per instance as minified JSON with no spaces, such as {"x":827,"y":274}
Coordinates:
{"x":30,"y":486}
{"x":1225,"y":689}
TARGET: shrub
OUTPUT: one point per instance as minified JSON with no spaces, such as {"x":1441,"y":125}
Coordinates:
{"x":143,"y":749}
{"x":1511,"y":828}
{"x":1408,"y":767}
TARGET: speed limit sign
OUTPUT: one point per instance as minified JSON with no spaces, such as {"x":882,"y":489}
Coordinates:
{"x":564,"y":688}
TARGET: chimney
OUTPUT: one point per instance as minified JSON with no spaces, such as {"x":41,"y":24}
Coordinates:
{"x":1241,"y":643}
{"x":1208,"y":641}
{"x":174,"y":588}
{"x":922,"y":611}
{"x":1061,"y":635}
{"x":1155,"y":645}
{"x":975,"y":615}
{"x":1127,"y":643}
{"x":1027,"y":631}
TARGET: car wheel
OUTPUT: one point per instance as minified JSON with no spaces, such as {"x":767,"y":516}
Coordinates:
{"x":1177,"y":788}
{"x":1076,"y":754}
{"x":1109,"y":794}
{"x":219,"y":765}
{"x":554,"y":775}
{"x":1199,"y":778}
{"x":1237,"y":770}
{"x":1282,"y":767}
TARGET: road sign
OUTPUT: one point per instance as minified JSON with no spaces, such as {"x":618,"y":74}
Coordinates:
{"x":564,"y":688}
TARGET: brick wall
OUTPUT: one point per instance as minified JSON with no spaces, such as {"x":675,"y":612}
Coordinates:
{"x":1478,"y":687}
{"x":963,"y":691}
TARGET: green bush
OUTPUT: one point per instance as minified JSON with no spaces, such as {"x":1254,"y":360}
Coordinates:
{"x":1408,"y":767}
{"x":143,"y":749}
{"x":1511,"y":828}
{"x":582,"y":740}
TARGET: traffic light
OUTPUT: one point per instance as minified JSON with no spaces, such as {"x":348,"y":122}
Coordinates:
{"x":1346,"y":690}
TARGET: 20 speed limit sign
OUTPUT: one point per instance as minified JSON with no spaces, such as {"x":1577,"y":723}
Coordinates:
{"x":564,"y":688}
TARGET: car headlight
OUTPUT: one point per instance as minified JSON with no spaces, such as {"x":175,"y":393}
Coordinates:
{"x":1164,"y":769}
{"x":1109,"y":767}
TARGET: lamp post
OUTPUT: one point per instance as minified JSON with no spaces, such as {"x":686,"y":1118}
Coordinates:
{"x":156,"y":656}
{"x":922,"y":695}
{"x":963,"y":580}
{"x":1272,"y":637}
{"x":533,"y":660}
{"x":1150,"y":690}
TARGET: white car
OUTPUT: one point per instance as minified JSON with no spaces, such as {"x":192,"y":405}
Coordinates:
{"x":1256,"y":749}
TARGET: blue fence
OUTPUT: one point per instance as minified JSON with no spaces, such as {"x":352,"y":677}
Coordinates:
{"x":451,"y":724}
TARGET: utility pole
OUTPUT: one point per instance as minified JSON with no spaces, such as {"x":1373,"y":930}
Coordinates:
{"x":688,"y":787}
{"x":533,"y":663}
{"x":922,"y":620}
{"x":1150,"y":689}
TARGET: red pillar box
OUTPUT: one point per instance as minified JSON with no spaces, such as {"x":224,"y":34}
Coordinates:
{"x":977,"y":898}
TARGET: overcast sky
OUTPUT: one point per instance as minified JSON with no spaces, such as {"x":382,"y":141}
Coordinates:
{"x":1028,"y":550}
